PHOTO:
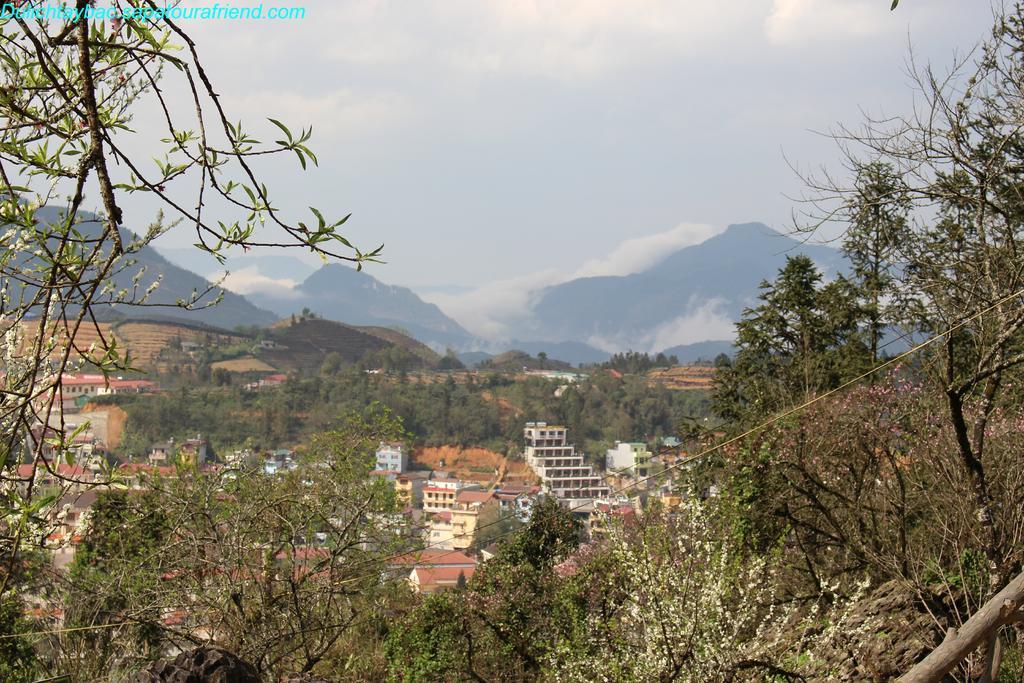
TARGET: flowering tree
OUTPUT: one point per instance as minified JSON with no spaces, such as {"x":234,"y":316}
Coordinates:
{"x":69,"y":85}
{"x":690,"y":608}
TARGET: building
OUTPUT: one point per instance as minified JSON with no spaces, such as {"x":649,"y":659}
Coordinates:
{"x":455,"y":529}
{"x":432,"y":557}
{"x":129,"y":386}
{"x":433,"y":569}
{"x":559,"y":467}
{"x":194,"y":452}
{"x":161,"y":454}
{"x":517,"y":500}
{"x":439,"y":493}
{"x":629,"y":458}
{"x":391,"y":457}
{"x":428,"y":580}
{"x":409,"y":487}
{"x":605,"y":515}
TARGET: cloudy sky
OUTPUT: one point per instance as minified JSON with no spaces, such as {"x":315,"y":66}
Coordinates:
{"x":494,"y":141}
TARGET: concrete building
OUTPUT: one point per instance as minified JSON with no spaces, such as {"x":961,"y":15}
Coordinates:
{"x":439,"y":493}
{"x":391,"y":457}
{"x":629,"y":458}
{"x":560,"y":469}
{"x":455,"y":529}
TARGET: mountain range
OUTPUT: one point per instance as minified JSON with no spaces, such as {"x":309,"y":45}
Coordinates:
{"x":692,"y":295}
{"x":685,"y":304}
{"x":175,"y":283}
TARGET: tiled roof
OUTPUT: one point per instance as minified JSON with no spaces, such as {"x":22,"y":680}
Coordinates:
{"x":434,"y":557}
{"x":473,"y":496}
{"x":437,"y":576}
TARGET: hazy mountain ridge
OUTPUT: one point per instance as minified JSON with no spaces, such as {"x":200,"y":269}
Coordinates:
{"x":711,"y":282}
{"x":339,"y":292}
{"x":176,"y":283}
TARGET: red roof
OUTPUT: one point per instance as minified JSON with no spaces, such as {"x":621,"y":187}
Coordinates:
{"x":434,"y":557}
{"x":438,"y":576}
{"x":304,"y":554}
{"x":473,"y":496}
{"x":132,"y":384}
{"x":62,"y":470}
{"x":83,"y":380}
{"x":438,"y":489}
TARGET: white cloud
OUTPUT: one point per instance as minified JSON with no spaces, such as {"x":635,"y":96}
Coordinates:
{"x":494,"y":310}
{"x":704,"y":322}
{"x":798,"y":22}
{"x":500,"y":310}
{"x":639,"y":254}
{"x":708,"y":321}
{"x":549,"y":38}
{"x":337,"y":113}
{"x":250,"y":281}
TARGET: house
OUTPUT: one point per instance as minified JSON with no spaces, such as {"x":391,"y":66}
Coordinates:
{"x":605,"y":515}
{"x":465,"y":516}
{"x":190,"y":347}
{"x":409,"y":487}
{"x":432,"y":557}
{"x":392,"y":458}
{"x":428,"y":580}
{"x":48,"y":474}
{"x":556,"y":462}
{"x":161,"y":454}
{"x":517,"y":500}
{"x":68,"y":519}
{"x":439,"y":493}
{"x":452,"y":561}
{"x":269,"y":382}
{"x":456,"y":527}
{"x":129,"y":386}
{"x":134,"y":474}
{"x":194,"y":452}
{"x":440,"y":531}
{"x":73,"y":386}
{"x":629,"y":458}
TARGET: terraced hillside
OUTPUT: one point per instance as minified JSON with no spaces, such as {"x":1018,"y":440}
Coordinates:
{"x":303,"y":344}
{"x":417,"y":348}
{"x":147,"y":339}
{"x":88,"y":334}
{"x":683,"y":377}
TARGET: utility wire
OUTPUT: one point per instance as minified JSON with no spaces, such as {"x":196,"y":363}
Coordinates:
{"x":675,"y":466}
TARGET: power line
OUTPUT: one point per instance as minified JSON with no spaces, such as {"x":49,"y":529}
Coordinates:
{"x":681,"y":463}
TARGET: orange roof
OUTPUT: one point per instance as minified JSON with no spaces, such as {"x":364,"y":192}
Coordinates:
{"x":83,"y":380}
{"x":473,"y":496}
{"x":437,"y":489}
{"x":434,"y":557}
{"x":437,"y":576}
{"x":62,"y":470}
{"x":131,"y":383}
{"x":164,"y":470}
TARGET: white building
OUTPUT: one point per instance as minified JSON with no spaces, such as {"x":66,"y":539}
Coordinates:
{"x":561,"y":470}
{"x":633,"y":459}
{"x":391,"y":458}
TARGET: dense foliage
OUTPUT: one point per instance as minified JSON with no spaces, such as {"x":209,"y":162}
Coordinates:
{"x":484,"y":411}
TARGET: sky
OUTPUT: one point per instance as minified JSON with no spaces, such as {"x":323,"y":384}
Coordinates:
{"x":494,"y":146}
